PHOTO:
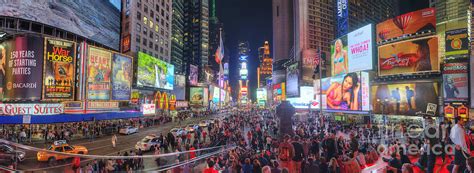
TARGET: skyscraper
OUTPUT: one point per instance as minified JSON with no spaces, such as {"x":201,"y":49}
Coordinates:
{"x":265,"y":66}
{"x":282,"y":28}
{"x":196,"y":34}
{"x":177,"y":42}
{"x":216,"y":29}
{"x":146,"y":26}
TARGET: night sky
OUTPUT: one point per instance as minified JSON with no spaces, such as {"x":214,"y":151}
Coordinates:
{"x":251,"y":20}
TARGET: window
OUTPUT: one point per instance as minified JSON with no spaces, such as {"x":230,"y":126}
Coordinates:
{"x":139,"y":15}
{"x":157,"y":7}
{"x":59,"y":149}
{"x":144,"y":41}
{"x":150,"y":45}
{"x":139,"y":4}
{"x":278,"y":11}
{"x":144,"y":30}
{"x":151,"y":24}
{"x":151,"y":35}
{"x":156,"y":47}
{"x":137,"y":48}
{"x":145,"y":9}
{"x":137,"y":38}
{"x":139,"y":27}
{"x":67,"y":148}
{"x":145,"y":20}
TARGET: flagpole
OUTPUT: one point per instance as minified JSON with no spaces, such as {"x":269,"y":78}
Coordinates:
{"x":320,"y":82}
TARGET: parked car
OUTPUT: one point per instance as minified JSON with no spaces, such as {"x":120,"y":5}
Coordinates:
{"x":148,"y":143}
{"x":177,"y":131}
{"x":204,"y":123}
{"x":8,"y":155}
{"x":128,"y":130}
{"x":60,"y":146}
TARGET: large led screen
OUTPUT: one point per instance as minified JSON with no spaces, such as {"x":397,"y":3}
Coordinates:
{"x":193,"y":75}
{"x":407,"y":24}
{"x":306,"y":99}
{"x":455,"y":81}
{"x":349,"y":92}
{"x":352,"y":52}
{"x":403,"y":99}
{"x":179,"y":88}
{"x":21,"y":68}
{"x":196,"y":96}
{"x":98,"y":20}
{"x":154,"y":73}
{"x":59,"y":66}
{"x":409,"y":57}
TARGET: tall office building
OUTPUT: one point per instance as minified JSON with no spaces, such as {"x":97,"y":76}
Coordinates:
{"x":146,"y":27}
{"x":196,"y":34}
{"x":216,"y":29}
{"x":177,"y":42}
{"x":363,"y":12}
{"x":450,"y":15}
{"x":282,"y":29}
{"x":265,"y":66}
{"x":243,"y":54}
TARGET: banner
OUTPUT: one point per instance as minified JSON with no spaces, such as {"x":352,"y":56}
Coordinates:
{"x":121,"y":77}
{"x":292,"y":80}
{"x":403,"y":99}
{"x":409,"y":57}
{"x":342,"y":19}
{"x":102,"y":105}
{"x":21,"y":67}
{"x":455,"y":81}
{"x":306,"y":99}
{"x":407,"y":24}
{"x":352,"y":52}
{"x":310,"y":60}
{"x":193,"y":75}
{"x":457,"y":42}
{"x":196,"y":96}
{"x":348,"y":92}
{"x":98,"y":74}
{"x":148,"y":109}
{"x":59,"y":66}
{"x":31,"y":109}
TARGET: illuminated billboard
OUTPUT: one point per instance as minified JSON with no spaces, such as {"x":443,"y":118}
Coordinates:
{"x":352,"y":52}
{"x":121,"y":77}
{"x":409,"y":57}
{"x":99,"y":69}
{"x":21,"y":68}
{"x":457,"y":42}
{"x":455,"y":81}
{"x":421,"y":21}
{"x":348,"y":92}
{"x":193,"y":75}
{"x":292,"y":80}
{"x":179,"y":88}
{"x":403,"y":99}
{"x":95,"y":20}
{"x":59,"y":66}
{"x":154,"y":73}
{"x":306,"y":99}
{"x":342,"y":19}
{"x":196,"y":96}
{"x":279,"y":92}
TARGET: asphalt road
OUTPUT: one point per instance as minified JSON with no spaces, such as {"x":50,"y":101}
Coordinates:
{"x":103,"y":146}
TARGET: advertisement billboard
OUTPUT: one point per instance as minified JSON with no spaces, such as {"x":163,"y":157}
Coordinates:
{"x":222,"y":98}
{"x":407,"y":24}
{"x":279,"y":92}
{"x":154,"y":73}
{"x":342,"y":19}
{"x":409,"y":57}
{"x":21,"y":68}
{"x":403,"y":99}
{"x":310,"y":60}
{"x":455,"y":81}
{"x":226,"y":71}
{"x":292,"y":80}
{"x":306,"y":99}
{"x":95,"y":20}
{"x":352,"y":52}
{"x":457,"y":42}
{"x":59,"y":66}
{"x":31,"y":109}
{"x":179,"y":89}
{"x":121,"y":77}
{"x":193,"y":75}
{"x":348,"y":92}
{"x":98,"y":74}
{"x":215,"y":94}
{"x":196,"y":96}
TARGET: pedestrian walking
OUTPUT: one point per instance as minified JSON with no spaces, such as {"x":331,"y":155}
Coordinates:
{"x":114,"y":140}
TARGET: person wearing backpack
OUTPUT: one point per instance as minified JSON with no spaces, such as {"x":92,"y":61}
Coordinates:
{"x":299,"y":154}
{"x":286,"y":153}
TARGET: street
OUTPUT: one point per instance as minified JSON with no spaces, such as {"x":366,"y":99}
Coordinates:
{"x":103,"y":146}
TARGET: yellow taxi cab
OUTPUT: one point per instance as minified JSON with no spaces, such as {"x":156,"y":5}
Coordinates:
{"x":60,"y":146}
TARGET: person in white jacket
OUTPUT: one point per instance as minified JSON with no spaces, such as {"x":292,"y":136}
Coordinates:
{"x":458,"y":137}
{"x":114,"y":140}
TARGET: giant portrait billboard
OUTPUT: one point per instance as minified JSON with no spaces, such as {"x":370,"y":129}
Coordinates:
{"x":98,"y":74}
{"x":409,"y":57}
{"x":292,"y":80}
{"x":193,"y":75}
{"x":59,"y":69}
{"x":22,"y":68}
{"x":121,"y":77}
{"x":403,"y":99}
{"x":455,"y":81}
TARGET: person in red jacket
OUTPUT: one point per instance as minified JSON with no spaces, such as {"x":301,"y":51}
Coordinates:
{"x":192,"y":153}
{"x":211,"y":169}
{"x":76,"y":164}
